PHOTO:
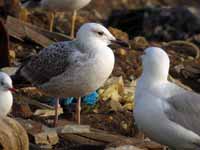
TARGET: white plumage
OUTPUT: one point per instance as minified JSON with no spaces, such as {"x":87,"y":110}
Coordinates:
{"x":163,"y":111}
{"x":6,"y":98}
{"x":73,"y":68}
{"x":63,"y":5}
{"x":58,"y":6}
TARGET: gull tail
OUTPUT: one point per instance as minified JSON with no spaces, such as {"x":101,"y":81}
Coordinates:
{"x":31,"y":4}
{"x":18,"y":80}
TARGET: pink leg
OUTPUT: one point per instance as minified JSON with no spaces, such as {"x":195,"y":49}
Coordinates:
{"x":78,"y":110}
{"x":56,"y":112}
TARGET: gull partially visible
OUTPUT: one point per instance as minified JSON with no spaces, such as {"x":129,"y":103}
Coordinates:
{"x":6,"y":98}
{"x":54,"y":6}
{"x":165,"y":112}
{"x":73,"y":68}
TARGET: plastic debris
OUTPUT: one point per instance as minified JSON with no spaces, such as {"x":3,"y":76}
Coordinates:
{"x":90,"y":99}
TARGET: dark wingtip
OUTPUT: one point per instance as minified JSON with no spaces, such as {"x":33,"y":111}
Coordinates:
{"x":31,"y":4}
{"x":18,"y":80}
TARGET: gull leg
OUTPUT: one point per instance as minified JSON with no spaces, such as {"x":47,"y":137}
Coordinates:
{"x":51,"y":17}
{"x":56,"y":112}
{"x":73,"y":23}
{"x":78,"y":110}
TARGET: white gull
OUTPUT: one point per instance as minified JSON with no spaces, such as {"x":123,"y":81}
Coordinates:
{"x":165,"y":112}
{"x":59,"y":6}
{"x":6,"y":98}
{"x":73,"y":68}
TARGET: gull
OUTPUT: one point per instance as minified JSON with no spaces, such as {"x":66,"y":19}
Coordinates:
{"x":164,"y":111}
{"x":73,"y":68}
{"x":59,"y":6}
{"x":6,"y":98}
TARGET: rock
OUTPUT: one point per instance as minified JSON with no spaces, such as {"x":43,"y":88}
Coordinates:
{"x":160,"y":23}
{"x":139,"y":144}
{"x":184,"y":47}
{"x":139,"y":43}
{"x":9,"y":70}
{"x":125,"y":147}
{"x":10,"y":7}
{"x":12,"y":135}
{"x":75,"y":129}
{"x":2,"y":3}
{"x":21,"y":110}
{"x":121,"y":52}
{"x":4,"y":46}
{"x":188,"y":73}
{"x":12,"y":56}
{"x":39,"y":133}
{"x":119,"y":34}
{"x":47,"y":112}
{"x":179,"y":83}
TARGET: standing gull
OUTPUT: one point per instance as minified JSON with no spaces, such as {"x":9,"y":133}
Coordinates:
{"x":61,"y":6}
{"x":73,"y":68}
{"x":6,"y":98}
{"x":165,"y":112}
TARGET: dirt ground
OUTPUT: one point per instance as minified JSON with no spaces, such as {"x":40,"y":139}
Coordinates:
{"x":179,"y":38}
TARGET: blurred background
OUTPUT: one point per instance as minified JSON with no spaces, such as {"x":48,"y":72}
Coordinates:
{"x":173,"y":25}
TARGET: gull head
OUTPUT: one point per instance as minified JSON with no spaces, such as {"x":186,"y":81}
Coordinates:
{"x":5,"y":82}
{"x":155,"y":63}
{"x":97,"y":34}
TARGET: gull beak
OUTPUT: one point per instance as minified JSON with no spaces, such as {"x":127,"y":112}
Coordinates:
{"x":121,"y":43}
{"x":12,"y":90}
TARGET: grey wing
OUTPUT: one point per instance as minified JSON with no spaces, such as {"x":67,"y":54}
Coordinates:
{"x":30,"y":4}
{"x":185,"y":110}
{"x":50,"y":62}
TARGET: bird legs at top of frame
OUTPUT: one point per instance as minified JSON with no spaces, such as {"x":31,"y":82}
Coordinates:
{"x":73,"y":24}
{"x":51,"y":18}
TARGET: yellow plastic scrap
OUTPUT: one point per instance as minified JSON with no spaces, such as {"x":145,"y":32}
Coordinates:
{"x":113,"y":89}
{"x":128,"y":106}
{"x":115,"y":105}
{"x":120,"y":95}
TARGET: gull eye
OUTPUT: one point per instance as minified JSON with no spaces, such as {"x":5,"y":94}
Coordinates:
{"x":100,"y":33}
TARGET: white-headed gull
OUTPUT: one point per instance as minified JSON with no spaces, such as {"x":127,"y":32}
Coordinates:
{"x":73,"y":68}
{"x":60,"y":6}
{"x":165,"y":112}
{"x":6,"y":98}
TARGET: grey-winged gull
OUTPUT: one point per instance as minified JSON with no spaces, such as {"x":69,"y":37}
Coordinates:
{"x":60,"y":6}
{"x":165,"y":112}
{"x":73,"y":68}
{"x":6,"y":98}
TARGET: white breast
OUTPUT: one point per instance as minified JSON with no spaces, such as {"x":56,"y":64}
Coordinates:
{"x":6,"y":101}
{"x":83,"y":77}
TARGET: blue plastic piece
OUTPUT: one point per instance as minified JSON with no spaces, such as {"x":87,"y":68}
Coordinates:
{"x":90,"y":99}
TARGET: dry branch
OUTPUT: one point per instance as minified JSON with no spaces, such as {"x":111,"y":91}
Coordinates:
{"x":4,"y":46}
{"x":22,"y":30}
